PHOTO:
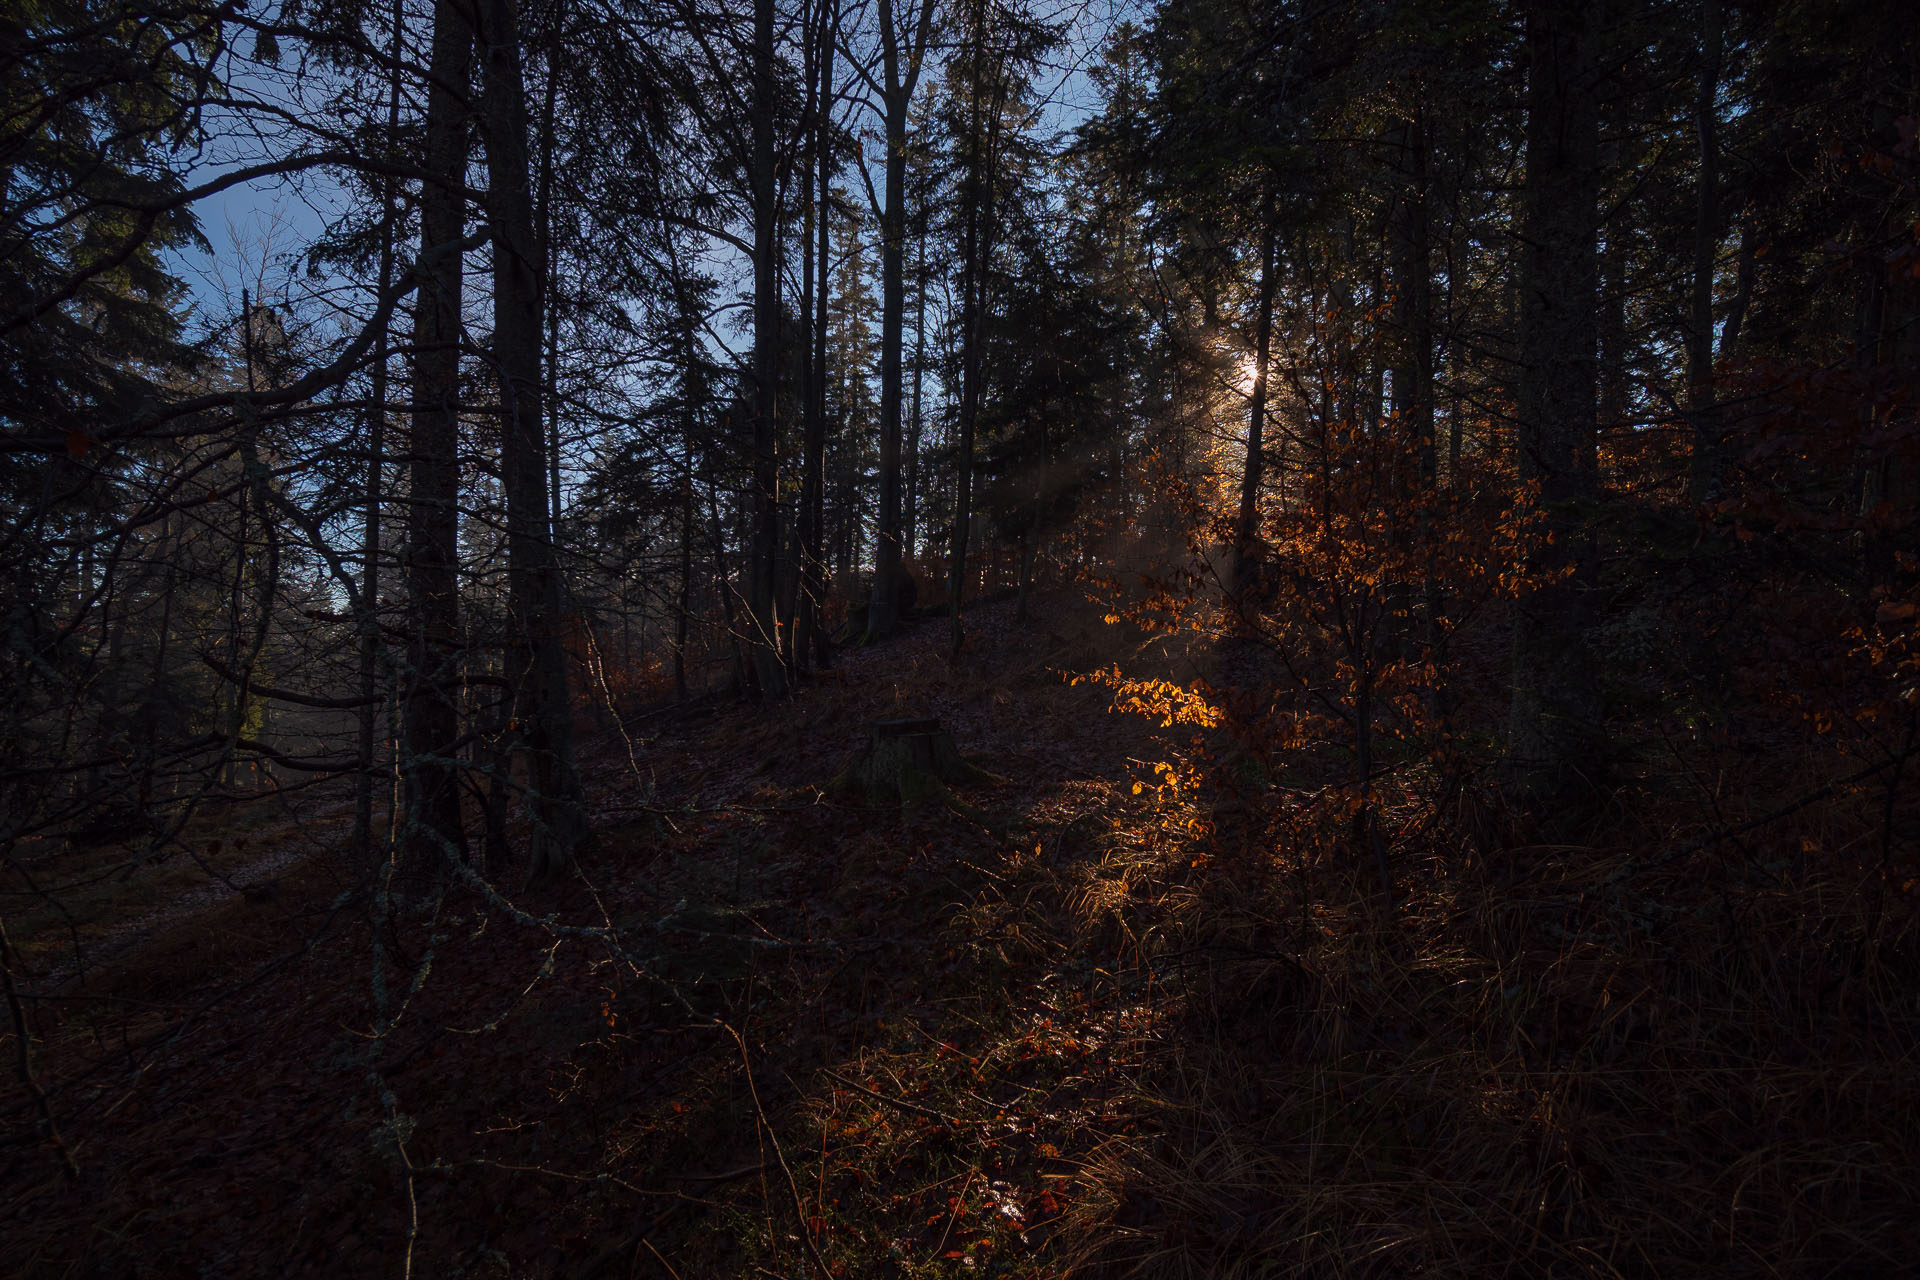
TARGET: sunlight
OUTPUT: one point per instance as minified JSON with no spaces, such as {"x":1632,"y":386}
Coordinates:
{"x":948,"y":639}
{"x":1246,"y":369}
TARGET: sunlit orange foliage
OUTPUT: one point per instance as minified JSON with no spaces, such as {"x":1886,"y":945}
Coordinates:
{"x":1363,"y":577}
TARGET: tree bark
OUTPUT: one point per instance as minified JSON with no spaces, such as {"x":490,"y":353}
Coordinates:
{"x":809,"y":639}
{"x":1555,"y":715}
{"x":430,"y":779}
{"x":549,"y":308}
{"x":692,"y":392}
{"x":910,"y":519}
{"x":1246,"y":526}
{"x":977,"y":225}
{"x":762,"y":564}
{"x":533,"y":577}
{"x":376,"y":495}
{"x":1613,"y":335}
{"x":682,"y":600}
{"x":370,"y":567}
{"x":814,"y":467}
{"x":800,"y":616}
{"x":900,"y":64}
{"x":1703,"y":476}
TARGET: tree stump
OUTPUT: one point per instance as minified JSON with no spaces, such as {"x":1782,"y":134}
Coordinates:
{"x":908,"y":762}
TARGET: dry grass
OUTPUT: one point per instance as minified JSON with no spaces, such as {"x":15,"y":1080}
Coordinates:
{"x":1552,"y":1060}
{"x":1108,"y":1033}
{"x":1528,"y":1071}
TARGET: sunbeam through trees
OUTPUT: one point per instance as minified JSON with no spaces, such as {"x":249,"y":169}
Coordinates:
{"x":912,"y":638}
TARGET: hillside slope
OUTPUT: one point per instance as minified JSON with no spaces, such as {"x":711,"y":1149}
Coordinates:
{"x":1095,"y":1016}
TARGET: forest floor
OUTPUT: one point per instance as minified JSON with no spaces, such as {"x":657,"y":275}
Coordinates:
{"x":1082,"y":1021}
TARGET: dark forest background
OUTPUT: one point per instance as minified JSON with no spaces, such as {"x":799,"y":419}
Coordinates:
{"x":1408,"y":510}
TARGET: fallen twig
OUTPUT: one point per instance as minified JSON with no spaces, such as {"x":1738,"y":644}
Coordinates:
{"x":899,"y":1103}
{"x":25,"y":1059}
{"x":793,"y":1188}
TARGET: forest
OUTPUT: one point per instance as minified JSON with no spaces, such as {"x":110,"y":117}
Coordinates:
{"x":930,"y":638}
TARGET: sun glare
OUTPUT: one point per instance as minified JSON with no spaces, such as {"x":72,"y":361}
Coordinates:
{"x":1245,"y":370}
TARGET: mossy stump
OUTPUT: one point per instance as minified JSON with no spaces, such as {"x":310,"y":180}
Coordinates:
{"x":908,"y":762}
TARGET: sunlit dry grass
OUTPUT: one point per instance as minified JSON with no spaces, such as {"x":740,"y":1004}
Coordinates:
{"x":1080,"y":1029}
{"x":1541,"y":1067}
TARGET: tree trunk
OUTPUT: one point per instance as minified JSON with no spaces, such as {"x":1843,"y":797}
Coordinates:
{"x":370,"y":567}
{"x":549,"y":308}
{"x":762,"y":562}
{"x":432,"y":827}
{"x":1246,"y":527}
{"x":1742,"y":290}
{"x":533,"y":576}
{"x":977,"y":261}
{"x":728,"y":611}
{"x":799,"y":614}
{"x":692,"y":392}
{"x":1555,"y":717}
{"x":900,"y":63}
{"x":683,"y":599}
{"x":1613,"y":334}
{"x":376,"y":494}
{"x":1703,"y":476}
{"x":1413,"y":366}
{"x":909,"y":529}
{"x":972,"y":287}
{"x":882,"y":611}
{"x":815,"y":466}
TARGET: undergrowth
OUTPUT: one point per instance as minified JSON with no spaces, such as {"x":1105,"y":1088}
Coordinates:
{"x":1653,"y":1055}
{"x":1681,"y":1045}
{"x":1137,"y":1010}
